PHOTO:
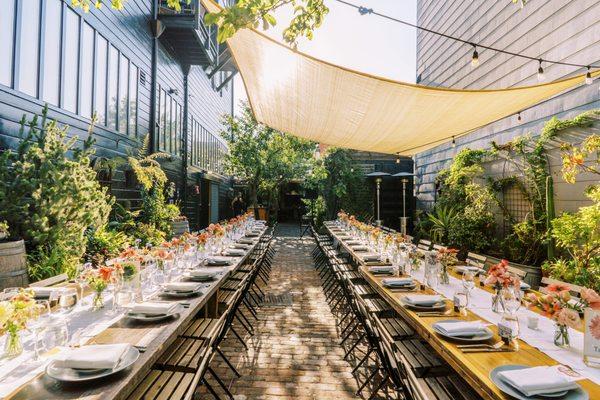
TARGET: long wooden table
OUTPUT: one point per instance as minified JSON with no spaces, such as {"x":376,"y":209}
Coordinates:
{"x":162,"y":335}
{"x":474,"y":367}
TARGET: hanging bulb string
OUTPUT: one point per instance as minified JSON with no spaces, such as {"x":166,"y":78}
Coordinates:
{"x":369,"y":11}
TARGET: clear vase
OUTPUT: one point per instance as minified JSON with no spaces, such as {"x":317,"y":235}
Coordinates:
{"x":98,"y":301}
{"x":13,"y":345}
{"x":561,"y":336}
{"x":498,"y":302}
{"x":444,"y":277}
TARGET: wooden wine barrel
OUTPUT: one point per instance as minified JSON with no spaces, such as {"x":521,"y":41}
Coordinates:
{"x":13,"y":265}
{"x":180,"y":227}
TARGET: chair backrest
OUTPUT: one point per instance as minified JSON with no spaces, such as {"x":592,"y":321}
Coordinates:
{"x":424,"y":244}
{"x":574,"y":289}
{"x":54,"y":280}
{"x":439,"y":247}
{"x":476,"y":260}
{"x":517,"y":272}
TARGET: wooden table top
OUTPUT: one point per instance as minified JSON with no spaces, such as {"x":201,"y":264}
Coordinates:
{"x":120,"y":385}
{"x":474,"y":367}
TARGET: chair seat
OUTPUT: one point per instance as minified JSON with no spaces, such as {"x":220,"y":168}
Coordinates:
{"x":376,"y":305}
{"x":163,"y":385}
{"x":230,"y":285}
{"x":397,"y":328}
{"x":421,"y":358}
{"x":364,"y":290}
{"x":184,"y":355}
{"x":201,"y":328}
{"x":225,"y":296}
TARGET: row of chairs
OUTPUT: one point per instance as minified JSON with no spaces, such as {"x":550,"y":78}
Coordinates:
{"x":186,"y":364}
{"x":389,"y":354}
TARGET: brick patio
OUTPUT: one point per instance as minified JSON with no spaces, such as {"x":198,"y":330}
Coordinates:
{"x":295,"y":351}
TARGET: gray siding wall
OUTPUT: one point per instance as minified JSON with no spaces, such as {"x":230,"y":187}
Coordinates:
{"x":559,"y":30}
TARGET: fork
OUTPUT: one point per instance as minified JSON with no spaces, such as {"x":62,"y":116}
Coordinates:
{"x":481,"y":346}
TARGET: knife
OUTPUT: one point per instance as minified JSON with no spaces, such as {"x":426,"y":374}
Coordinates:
{"x":482,"y":350}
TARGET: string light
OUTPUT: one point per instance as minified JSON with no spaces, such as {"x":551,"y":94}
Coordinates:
{"x":540,"y":74}
{"x":475,"y":57}
{"x":519,"y":116}
{"x":453,"y":142}
{"x":397,"y":158}
{"x":588,"y":77}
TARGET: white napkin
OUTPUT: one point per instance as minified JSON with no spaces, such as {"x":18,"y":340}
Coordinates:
{"x":397,"y":281}
{"x":246,"y":241}
{"x":465,"y":268}
{"x":218,"y":261}
{"x":525,"y":286}
{"x":380,"y":268}
{"x":538,"y":380}
{"x":43,"y":292}
{"x":235,"y":252}
{"x":97,"y":356}
{"x":201,"y":273}
{"x":371,"y":257}
{"x":462,"y":328}
{"x":423,"y":299}
{"x":182,"y":286}
{"x":153,"y":308}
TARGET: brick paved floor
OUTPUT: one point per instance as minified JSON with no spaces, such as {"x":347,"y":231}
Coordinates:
{"x":294,"y":353}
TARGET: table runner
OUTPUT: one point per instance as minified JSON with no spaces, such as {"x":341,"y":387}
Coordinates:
{"x":541,"y":338}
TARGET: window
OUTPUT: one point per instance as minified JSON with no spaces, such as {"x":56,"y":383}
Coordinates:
{"x":123,"y":93}
{"x":100,"y":84}
{"x":71,"y":60}
{"x":133,"y":90}
{"x":163,"y":120}
{"x":113,"y":80}
{"x":51,"y":52}
{"x":7,"y":31}
{"x":28,"y":48}
{"x":87,"y":66}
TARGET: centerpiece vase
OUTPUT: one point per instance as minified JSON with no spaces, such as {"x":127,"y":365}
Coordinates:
{"x":13,"y":345}
{"x":561,"y":336}
{"x":498,"y":301}
{"x":98,"y":300}
{"x":444,"y":277}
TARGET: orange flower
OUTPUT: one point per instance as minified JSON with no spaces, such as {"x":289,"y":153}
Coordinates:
{"x":105,"y":273}
{"x":557,"y":288}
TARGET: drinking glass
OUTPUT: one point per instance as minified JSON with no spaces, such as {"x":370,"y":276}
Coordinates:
{"x":468,"y":282}
{"x":67,"y":301}
{"x":461,"y":302}
{"x":37,"y":324}
{"x":81,"y":279}
{"x":512,"y":321}
{"x":56,"y":334}
{"x":512,"y":299}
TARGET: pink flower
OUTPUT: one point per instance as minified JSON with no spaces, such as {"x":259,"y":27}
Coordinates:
{"x":568,"y":317}
{"x":595,"y":327}
{"x":591,"y":297}
{"x":557,"y":288}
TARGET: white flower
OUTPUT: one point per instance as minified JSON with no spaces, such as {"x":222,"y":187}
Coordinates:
{"x":6,"y":312}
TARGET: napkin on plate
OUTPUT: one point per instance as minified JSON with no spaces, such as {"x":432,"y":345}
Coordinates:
{"x":381,"y":269}
{"x":423,"y":299}
{"x":182,"y":286}
{"x":465,"y":268}
{"x":43,"y":292}
{"x":217,"y":261}
{"x":235,"y":252}
{"x":97,"y":356}
{"x":462,"y":328}
{"x":153,"y":308}
{"x":201,"y":273}
{"x":359,"y":248}
{"x":246,"y":241}
{"x":538,"y":380}
{"x":397,"y":281}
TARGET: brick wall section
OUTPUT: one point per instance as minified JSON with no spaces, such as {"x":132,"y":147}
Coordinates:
{"x":295,"y":352}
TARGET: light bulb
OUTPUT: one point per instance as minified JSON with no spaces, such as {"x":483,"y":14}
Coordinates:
{"x":475,"y":58}
{"x":588,"y":77}
{"x":397,"y":158}
{"x":518,"y":116}
{"x":453,"y":142}
{"x":540,"y":73}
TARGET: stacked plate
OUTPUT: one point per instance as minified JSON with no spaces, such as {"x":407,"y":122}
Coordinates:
{"x":537,"y":383}
{"x":182,"y":289}
{"x":234,"y":252}
{"x":381,"y":269}
{"x":201,"y":275}
{"x":399,"y":283}
{"x":463,"y":331}
{"x":424,"y":302}
{"x":92,"y":362}
{"x":217,"y":261}
{"x":154,"y":310}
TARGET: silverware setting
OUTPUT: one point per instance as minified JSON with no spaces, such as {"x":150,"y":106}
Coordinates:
{"x":481,"y":345}
{"x":484,"y":350}
{"x":449,"y":313}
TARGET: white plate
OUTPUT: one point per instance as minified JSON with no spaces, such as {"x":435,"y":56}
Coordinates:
{"x":72,"y":375}
{"x":486,"y":334}
{"x":218,"y":261}
{"x":151,"y":318}
{"x":208,"y":276}
{"x":575,"y":394}
{"x":173,"y":293}
{"x":440,"y":305}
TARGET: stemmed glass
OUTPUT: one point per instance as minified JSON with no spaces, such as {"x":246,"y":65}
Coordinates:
{"x":38,"y":323}
{"x":81,"y":279}
{"x":67,"y":301}
{"x":468,"y":282}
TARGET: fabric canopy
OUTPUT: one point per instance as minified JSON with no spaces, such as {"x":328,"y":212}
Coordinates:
{"x":313,"y":99}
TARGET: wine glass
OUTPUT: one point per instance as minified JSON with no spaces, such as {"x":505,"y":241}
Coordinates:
{"x":67,"y":301}
{"x":38,"y":323}
{"x":468,"y":283}
{"x":512,"y":298}
{"x":81,"y":279}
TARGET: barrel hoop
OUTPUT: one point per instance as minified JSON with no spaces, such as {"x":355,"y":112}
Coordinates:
{"x":12,"y":274}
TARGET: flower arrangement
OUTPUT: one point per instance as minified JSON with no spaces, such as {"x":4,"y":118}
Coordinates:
{"x":447,"y":258}
{"x":14,"y":314}
{"x":202,"y":238}
{"x":216,"y":230}
{"x":98,"y":280}
{"x":499,"y":276}
{"x":161,"y":256}
{"x":415,"y":257}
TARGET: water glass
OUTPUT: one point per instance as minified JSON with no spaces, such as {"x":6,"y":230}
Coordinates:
{"x":468,"y":282}
{"x":67,"y":301}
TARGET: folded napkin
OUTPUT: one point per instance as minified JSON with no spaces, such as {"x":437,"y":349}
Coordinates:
{"x":525,"y":286}
{"x":371,"y":257}
{"x":241,"y":246}
{"x":465,"y":268}
{"x":538,"y":380}
{"x":218,"y":261}
{"x":182,"y":286}
{"x":200,"y":273}
{"x":397,"y":281}
{"x":235,"y":252}
{"x":97,"y":356}
{"x":381,"y":269}
{"x":359,"y":248}
{"x":462,"y":328}
{"x":246,"y":241}
{"x":153,"y":308}
{"x":423,"y":299}
{"x":44,"y":292}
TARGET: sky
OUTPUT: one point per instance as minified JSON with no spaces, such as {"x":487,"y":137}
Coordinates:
{"x":365,"y":43}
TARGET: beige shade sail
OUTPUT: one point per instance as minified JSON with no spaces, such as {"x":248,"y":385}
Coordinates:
{"x":313,"y":99}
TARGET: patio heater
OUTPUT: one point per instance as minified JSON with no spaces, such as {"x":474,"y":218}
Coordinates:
{"x":403,"y":218}
{"x":378,"y":179}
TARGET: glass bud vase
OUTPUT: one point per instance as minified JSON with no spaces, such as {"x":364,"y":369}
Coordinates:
{"x":561,"y":336}
{"x":13,"y":345}
{"x":444,"y":277}
{"x":498,"y":301}
{"x":98,"y":301}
